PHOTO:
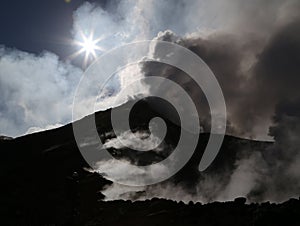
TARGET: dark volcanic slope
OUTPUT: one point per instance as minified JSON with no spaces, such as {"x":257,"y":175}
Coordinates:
{"x":39,"y":185}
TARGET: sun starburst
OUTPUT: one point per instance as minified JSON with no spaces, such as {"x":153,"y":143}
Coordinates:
{"x":89,"y":46}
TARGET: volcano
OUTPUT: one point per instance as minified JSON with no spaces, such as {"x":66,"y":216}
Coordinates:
{"x":46,"y":181}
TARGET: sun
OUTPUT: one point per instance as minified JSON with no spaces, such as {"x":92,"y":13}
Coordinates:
{"x":89,"y":46}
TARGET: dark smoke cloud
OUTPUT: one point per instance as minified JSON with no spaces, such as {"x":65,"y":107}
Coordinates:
{"x":285,"y":155}
{"x":255,"y":74}
{"x":277,"y":70}
{"x":260,"y":76}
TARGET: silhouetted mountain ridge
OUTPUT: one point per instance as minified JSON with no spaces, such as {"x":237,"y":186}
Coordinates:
{"x":45,"y":180}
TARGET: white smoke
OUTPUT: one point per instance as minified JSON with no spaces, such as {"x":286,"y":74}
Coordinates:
{"x":126,"y":140}
{"x":249,"y":173}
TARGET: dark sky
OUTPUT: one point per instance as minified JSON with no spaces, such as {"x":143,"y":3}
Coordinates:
{"x":37,"y":25}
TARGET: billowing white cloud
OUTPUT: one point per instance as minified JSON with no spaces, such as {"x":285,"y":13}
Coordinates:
{"x":37,"y":91}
